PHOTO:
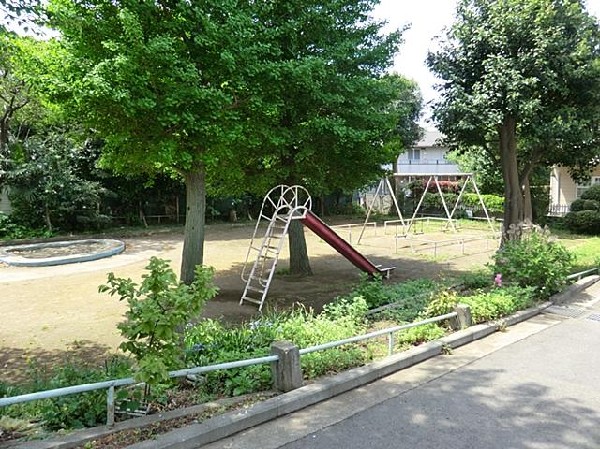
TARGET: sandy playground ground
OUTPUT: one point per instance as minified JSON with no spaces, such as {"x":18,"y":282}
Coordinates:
{"x":50,"y":313}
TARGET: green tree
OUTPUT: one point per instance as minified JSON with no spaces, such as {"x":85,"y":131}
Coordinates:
{"x":165,"y":84}
{"x":14,"y":93}
{"x":515,"y":72}
{"x":47,"y":186}
{"x":196,"y":88}
{"x":335,"y":117}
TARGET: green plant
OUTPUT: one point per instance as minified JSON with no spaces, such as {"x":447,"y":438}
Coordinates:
{"x":420,"y":334}
{"x":476,"y":279}
{"x":486,"y":306}
{"x":444,"y":302}
{"x":159,"y":308}
{"x":534,"y":260}
{"x":583,"y":204}
{"x":583,"y":221}
{"x":66,"y":412}
{"x":412,"y":294}
{"x":592,"y":193}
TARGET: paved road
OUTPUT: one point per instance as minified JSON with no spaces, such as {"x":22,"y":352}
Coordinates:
{"x":535,"y":386}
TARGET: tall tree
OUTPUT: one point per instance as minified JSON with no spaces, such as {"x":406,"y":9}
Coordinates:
{"x":511,"y":69}
{"x":195,"y":87}
{"x":335,"y":117}
{"x":164,"y":83}
{"x":14,"y":93}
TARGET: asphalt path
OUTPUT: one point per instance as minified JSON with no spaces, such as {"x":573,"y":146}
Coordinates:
{"x":534,"y":386}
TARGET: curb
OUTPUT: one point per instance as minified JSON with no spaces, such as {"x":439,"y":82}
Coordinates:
{"x":225,"y":425}
{"x":113,"y":247}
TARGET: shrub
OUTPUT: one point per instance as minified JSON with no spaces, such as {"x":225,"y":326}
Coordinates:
{"x":413,"y":295}
{"x":159,"y":308}
{"x":486,"y":306}
{"x":583,"y":221}
{"x":66,"y":412}
{"x":582,"y":204}
{"x":209,"y":342}
{"x":493,"y":203}
{"x":441,"y":304}
{"x":593,"y":193}
{"x":534,"y":261}
{"x":420,"y":334}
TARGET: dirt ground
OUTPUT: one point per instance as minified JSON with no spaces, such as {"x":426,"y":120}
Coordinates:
{"x":52,"y":313}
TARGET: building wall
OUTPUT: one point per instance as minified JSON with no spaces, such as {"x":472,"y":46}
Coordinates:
{"x":563,"y":189}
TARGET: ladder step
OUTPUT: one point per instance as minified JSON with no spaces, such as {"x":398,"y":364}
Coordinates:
{"x":252,"y":300}
{"x":255,"y":289}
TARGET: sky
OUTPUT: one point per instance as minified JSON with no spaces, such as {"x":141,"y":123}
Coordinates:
{"x":427,"y":19}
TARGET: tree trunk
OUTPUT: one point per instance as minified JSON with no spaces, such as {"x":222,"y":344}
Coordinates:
{"x":513,"y":197}
{"x":47,"y":218}
{"x":193,"y":242}
{"x":527,"y":204}
{"x":299,"y":263}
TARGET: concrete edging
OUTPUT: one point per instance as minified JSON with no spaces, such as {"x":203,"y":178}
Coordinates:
{"x":225,"y":425}
{"x":113,"y":247}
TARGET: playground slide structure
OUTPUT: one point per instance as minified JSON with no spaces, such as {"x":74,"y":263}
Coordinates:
{"x":316,"y":225}
{"x":281,"y":205}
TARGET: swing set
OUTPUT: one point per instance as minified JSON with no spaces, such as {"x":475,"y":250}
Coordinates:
{"x":385,"y":189}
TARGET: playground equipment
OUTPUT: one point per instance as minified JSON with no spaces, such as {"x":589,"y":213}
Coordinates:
{"x":280,"y":206}
{"x":384,"y":189}
{"x":450,"y":214}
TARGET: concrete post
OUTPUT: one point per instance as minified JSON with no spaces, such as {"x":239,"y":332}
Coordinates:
{"x":463,"y":318}
{"x":287,"y":373}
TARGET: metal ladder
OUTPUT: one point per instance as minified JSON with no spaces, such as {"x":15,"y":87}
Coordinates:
{"x":280,"y":206}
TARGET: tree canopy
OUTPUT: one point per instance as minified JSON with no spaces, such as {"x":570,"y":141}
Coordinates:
{"x":229,"y":92}
{"x":524,"y":74}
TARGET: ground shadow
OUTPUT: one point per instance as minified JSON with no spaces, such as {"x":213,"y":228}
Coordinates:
{"x":17,"y":364}
{"x":332,"y":276}
{"x":483,"y":408}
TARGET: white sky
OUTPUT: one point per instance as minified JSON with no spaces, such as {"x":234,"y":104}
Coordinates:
{"x":427,"y":19}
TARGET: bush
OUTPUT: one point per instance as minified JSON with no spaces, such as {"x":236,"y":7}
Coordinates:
{"x":582,"y":204}
{"x":583,"y":221}
{"x":593,"y":193}
{"x":159,"y":308}
{"x":493,"y":203}
{"x":487,"y":306}
{"x":209,"y":342}
{"x":534,"y":260}
{"x":11,"y":230}
{"x":66,"y":412}
{"x":411,"y":296}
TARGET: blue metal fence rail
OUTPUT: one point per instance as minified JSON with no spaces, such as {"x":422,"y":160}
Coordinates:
{"x":110,"y":385}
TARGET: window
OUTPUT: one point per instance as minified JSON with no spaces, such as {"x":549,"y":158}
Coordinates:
{"x":414,"y":155}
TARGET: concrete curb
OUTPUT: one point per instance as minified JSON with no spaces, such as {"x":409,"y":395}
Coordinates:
{"x":575,"y":288}
{"x":225,"y":425}
{"x":113,"y":247}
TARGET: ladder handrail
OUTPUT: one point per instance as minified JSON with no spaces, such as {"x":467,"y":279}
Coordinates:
{"x":291,"y":203}
{"x":279,"y":192}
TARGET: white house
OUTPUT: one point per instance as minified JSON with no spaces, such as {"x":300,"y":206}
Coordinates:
{"x":564,"y":189}
{"x":426,"y":158}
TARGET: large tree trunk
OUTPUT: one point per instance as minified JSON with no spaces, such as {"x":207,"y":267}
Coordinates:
{"x":527,"y":204}
{"x":513,"y":197}
{"x":299,"y":263}
{"x":193,"y":243}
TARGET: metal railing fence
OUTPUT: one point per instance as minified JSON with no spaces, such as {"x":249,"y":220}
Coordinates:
{"x":110,"y":385}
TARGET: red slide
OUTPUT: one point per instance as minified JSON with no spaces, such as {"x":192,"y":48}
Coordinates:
{"x":316,"y":225}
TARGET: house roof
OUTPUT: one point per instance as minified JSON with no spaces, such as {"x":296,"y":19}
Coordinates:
{"x":431,"y":138}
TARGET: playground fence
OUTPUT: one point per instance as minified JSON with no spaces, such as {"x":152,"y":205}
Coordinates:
{"x":110,"y":385}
